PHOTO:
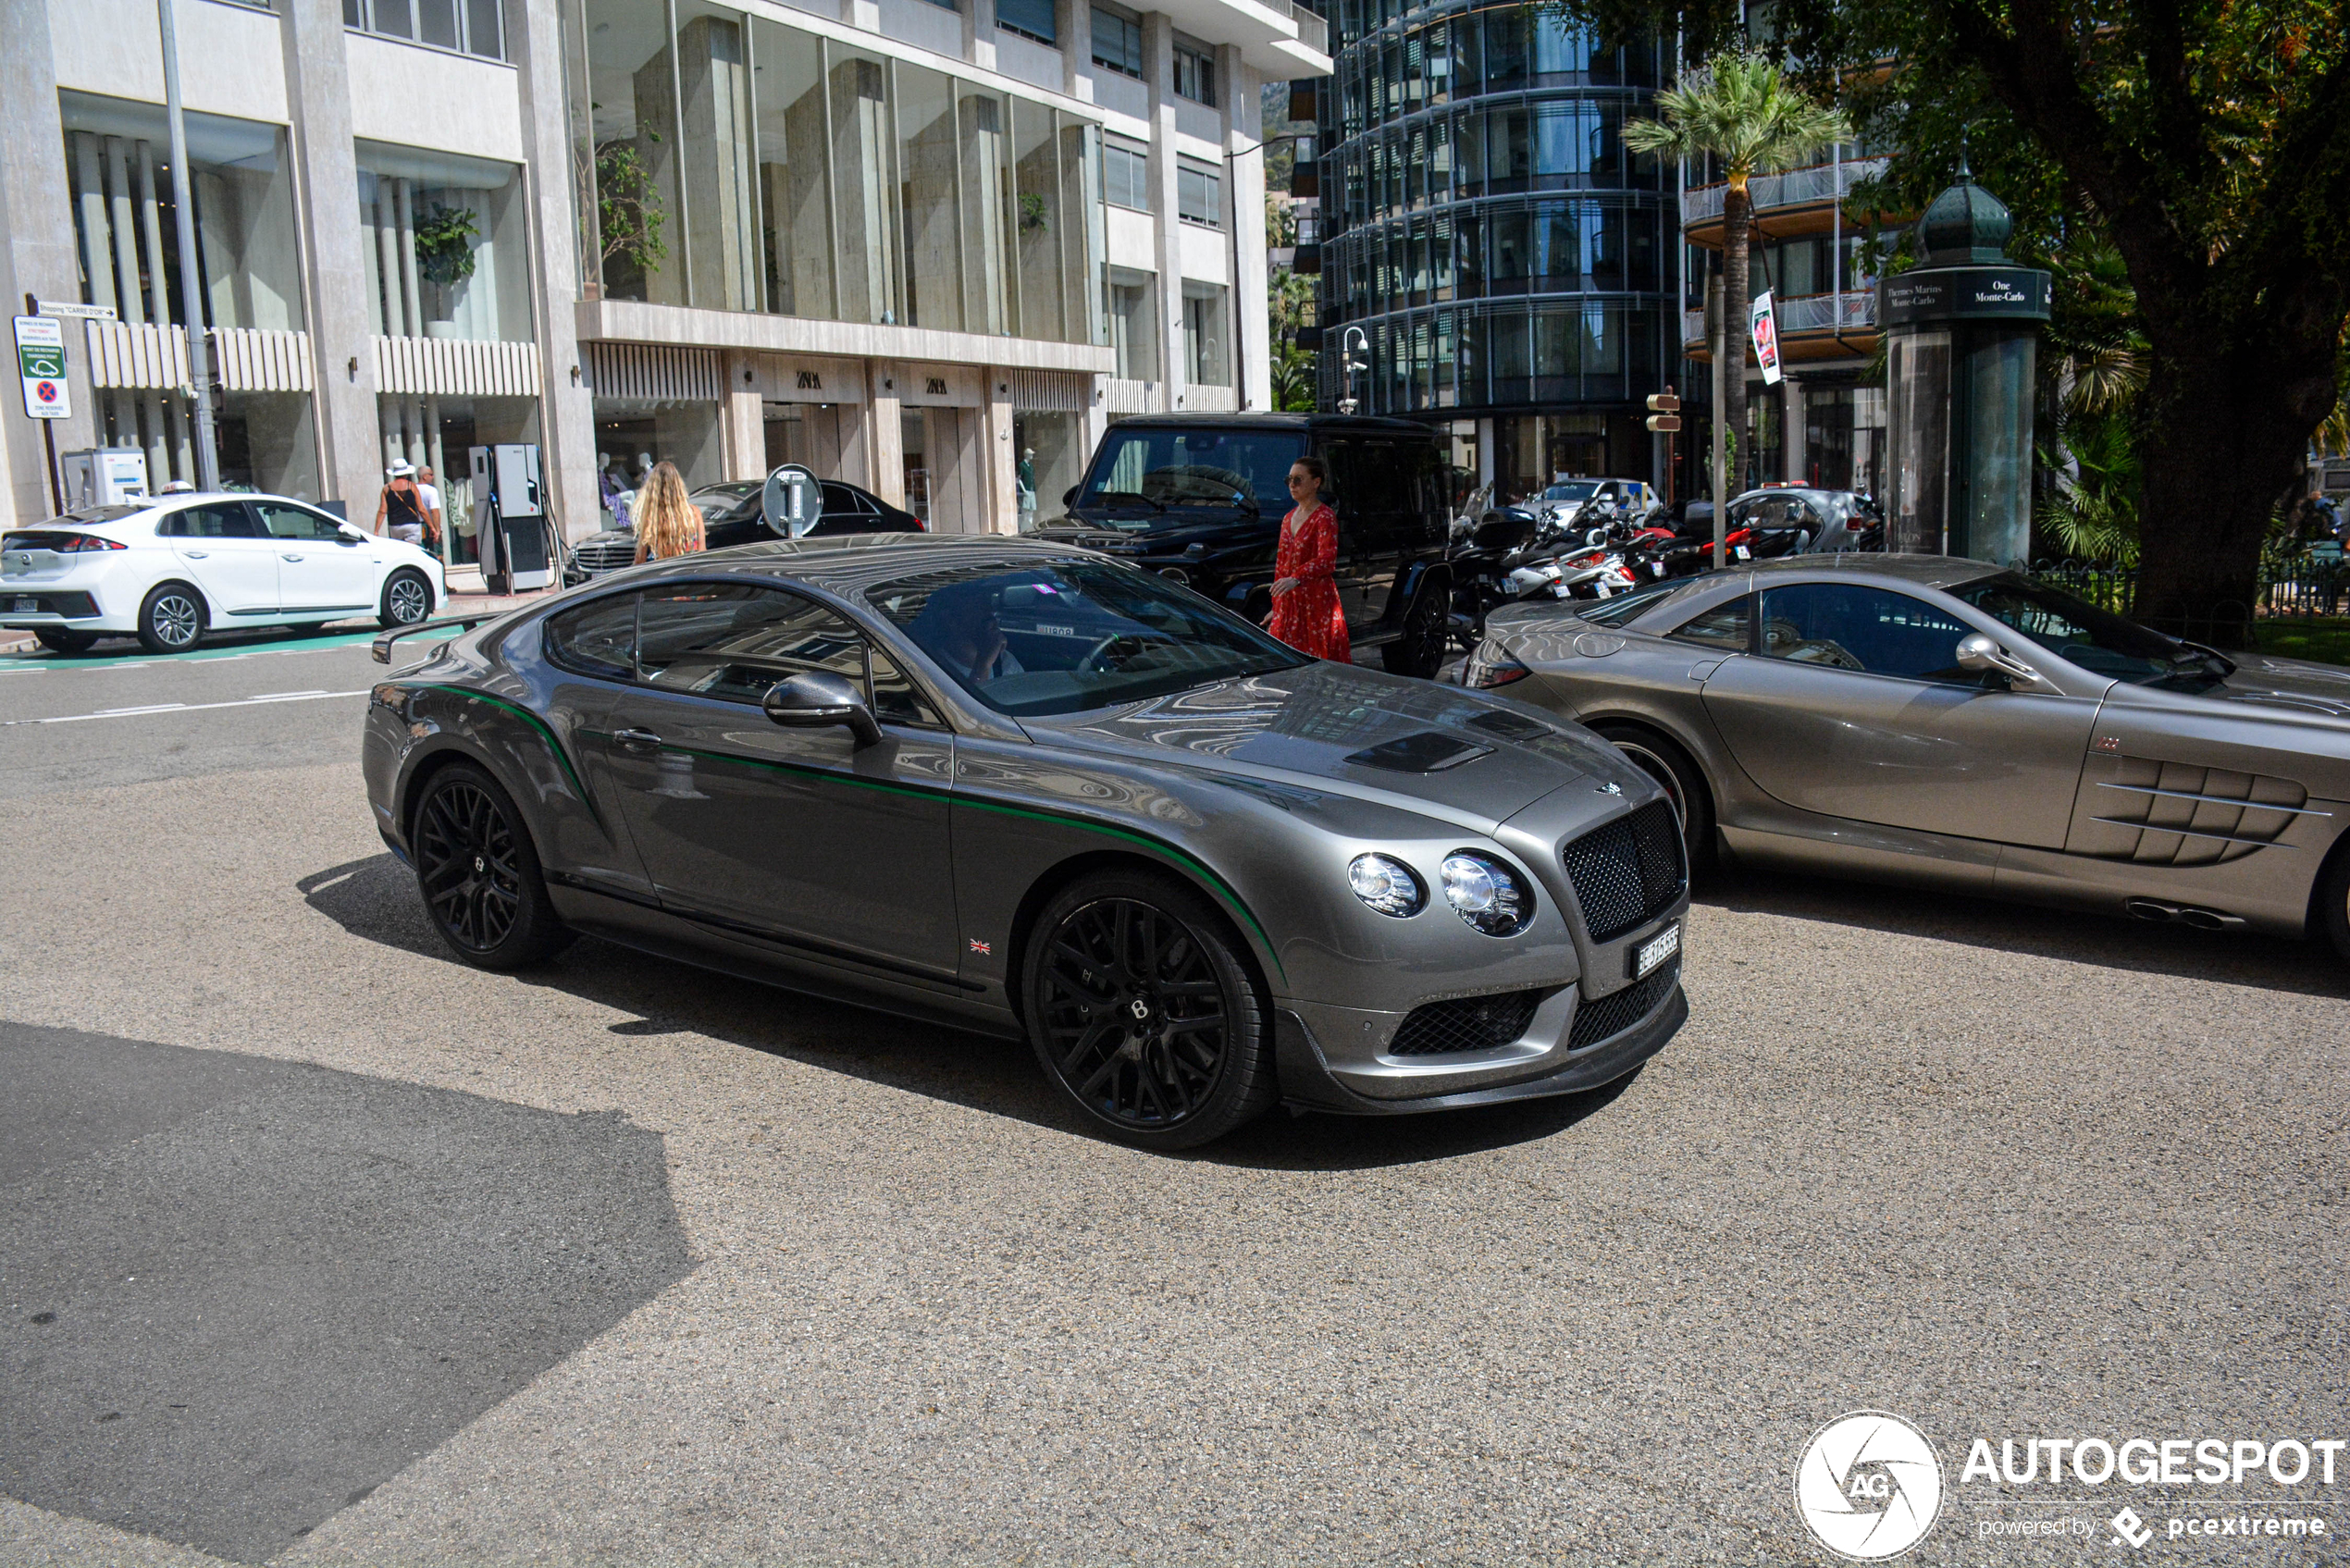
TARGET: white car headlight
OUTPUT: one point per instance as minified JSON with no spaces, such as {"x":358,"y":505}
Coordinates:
{"x":1486,"y":894}
{"x":1386,"y":884}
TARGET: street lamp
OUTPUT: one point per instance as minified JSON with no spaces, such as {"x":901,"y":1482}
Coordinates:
{"x":1353,"y":366}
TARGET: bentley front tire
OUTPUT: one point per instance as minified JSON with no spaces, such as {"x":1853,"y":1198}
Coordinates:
{"x":479,"y":872}
{"x":1146,"y":1011}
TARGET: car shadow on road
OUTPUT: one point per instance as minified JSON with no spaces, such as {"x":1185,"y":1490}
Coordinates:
{"x":376,"y":899}
{"x":2271,"y":963}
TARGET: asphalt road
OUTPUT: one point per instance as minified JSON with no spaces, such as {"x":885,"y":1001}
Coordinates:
{"x":2002,"y":1172}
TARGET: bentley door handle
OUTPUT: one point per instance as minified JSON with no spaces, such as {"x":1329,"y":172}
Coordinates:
{"x":637,"y":740}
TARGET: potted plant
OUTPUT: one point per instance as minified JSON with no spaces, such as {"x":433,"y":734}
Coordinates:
{"x":445,"y":259}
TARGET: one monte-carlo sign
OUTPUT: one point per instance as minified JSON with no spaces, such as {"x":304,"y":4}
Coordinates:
{"x":1963,"y":293}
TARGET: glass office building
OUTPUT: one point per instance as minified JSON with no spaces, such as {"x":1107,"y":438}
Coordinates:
{"x":1497,"y":260}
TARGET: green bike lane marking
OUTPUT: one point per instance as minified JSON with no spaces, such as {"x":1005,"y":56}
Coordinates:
{"x":43,"y":660}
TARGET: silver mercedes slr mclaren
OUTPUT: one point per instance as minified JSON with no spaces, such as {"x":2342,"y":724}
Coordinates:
{"x":1944,"y":723}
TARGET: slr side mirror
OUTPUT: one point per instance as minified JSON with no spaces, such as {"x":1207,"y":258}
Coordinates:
{"x":1980,"y":653}
{"x":816,"y":699}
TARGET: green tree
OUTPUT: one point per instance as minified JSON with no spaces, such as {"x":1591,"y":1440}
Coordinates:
{"x":631,"y":215}
{"x":1296,"y":371}
{"x":2209,"y":141}
{"x":1740,"y":109}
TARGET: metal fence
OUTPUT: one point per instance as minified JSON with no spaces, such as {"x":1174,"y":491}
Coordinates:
{"x":2300,"y":586}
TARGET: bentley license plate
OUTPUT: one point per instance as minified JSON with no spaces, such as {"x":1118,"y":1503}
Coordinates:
{"x":1655,"y":950}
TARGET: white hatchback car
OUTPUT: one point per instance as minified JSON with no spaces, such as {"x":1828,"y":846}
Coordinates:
{"x":167,"y":569}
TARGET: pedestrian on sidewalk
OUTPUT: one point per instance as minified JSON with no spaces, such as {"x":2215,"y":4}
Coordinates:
{"x":429,"y":489}
{"x":1307,"y":613}
{"x":667,"y":523}
{"x":401,"y":505}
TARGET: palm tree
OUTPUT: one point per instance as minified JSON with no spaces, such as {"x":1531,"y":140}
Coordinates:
{"x":1740,"y":109}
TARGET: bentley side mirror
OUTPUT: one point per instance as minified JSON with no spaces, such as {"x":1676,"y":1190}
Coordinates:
{"x":816,"y":699}
{"x":1978,"y":652}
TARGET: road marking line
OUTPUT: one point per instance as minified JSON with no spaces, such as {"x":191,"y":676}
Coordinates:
{"x":284,"y":695}
{"x":182,"y":707}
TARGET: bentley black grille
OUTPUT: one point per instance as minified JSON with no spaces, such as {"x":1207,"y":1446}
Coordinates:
{"x":1602,"y":1017}
{"x":1628,"y":872}
{"x":1470,"y":1023}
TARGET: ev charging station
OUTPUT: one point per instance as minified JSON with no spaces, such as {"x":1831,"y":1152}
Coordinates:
{"x":104,"y":477}
{"x":512,"y":513}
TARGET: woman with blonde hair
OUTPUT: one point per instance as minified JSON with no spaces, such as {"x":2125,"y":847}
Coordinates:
{"x":667,"y":523}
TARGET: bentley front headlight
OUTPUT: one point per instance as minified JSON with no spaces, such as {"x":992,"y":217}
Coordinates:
{"x":1486,"y":894}
{"x":1386,"y":884}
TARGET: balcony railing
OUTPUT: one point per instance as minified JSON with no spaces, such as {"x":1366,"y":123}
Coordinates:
{"x":1817,"y":183}
{"x":1807,"y":313}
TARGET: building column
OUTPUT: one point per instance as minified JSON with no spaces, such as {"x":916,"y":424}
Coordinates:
{"x":1073,"y":22}
{"x":1248,"y":310}
{"x":341,"y":317}
{"x":848,"y":456}
{"x":1158,"y":73}
{"x":1791,"y":431}
{"x":566,"y":405}
{"x":37,"y":246}
{"x":1002,"y":489}
{"x":885,"y":438}
{"x":743,"y":414}
{"x":979,"y":33}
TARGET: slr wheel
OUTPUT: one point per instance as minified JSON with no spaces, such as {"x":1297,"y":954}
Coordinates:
{"x":1146,"y":1012}
{"x":2333,"y":901}
{"x":1670,"y":766}
{"x":171,"y":619}
{"x":479,"y":872}
{"x":407,"y":600}
{"x":1420,"y":652}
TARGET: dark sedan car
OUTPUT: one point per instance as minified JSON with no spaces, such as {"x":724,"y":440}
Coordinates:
{"x":1027,"y":790}
{"x":731,"y":515}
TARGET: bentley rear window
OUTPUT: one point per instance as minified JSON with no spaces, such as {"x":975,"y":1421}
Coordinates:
{"x":1071,"y":634}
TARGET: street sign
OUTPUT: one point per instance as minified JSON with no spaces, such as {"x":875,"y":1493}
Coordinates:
{"x":1663,"y":403}
{"x":1665,"y":423}
{"x":1766,"y":327}
{"x":70,"y":309}
{"x":41,"y":360}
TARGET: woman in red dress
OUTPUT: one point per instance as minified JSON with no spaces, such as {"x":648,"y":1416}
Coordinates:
{"x":1307,"y":613}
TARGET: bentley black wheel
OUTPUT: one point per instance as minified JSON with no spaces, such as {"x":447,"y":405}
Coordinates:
{"x":479,"y":872}
{"x":1426,"y":629}
{"x":1144,"y":1009}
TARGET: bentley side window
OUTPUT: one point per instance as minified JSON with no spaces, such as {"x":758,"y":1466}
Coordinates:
{"x":735,"y":640}
{"x":1722,"y":628}
{"x":1845,"y":627}
{"x":896,"y":700}
{"x":598,"y":638}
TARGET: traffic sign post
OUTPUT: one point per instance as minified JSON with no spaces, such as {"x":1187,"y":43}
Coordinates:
{"x":40,"y":362}
{"x":1667,"y":422}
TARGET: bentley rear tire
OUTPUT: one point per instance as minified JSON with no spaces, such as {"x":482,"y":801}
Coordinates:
{"x":479,"y":872}
{"x":1146,"y":1011}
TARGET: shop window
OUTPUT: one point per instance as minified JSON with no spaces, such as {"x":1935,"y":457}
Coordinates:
{"x":444,"y":243}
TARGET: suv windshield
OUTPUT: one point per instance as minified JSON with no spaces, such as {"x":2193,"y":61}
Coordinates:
{"x":1072,"y":635}
{"x":2095,"y":640}
{"x":1154,"y":472}
{"x":1581,"y":490}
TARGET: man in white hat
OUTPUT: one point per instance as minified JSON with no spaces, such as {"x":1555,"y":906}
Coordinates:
{"x":401,"y":505}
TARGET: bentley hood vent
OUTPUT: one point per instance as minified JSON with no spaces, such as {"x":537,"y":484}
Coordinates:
{"x":1423,"y":753}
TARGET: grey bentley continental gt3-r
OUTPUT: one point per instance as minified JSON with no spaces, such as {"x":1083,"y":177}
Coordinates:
{"x":1946,"y":724}
{"x":1025,"y":789}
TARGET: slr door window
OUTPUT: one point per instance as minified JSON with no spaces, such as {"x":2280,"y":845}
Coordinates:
{"x":1845,"y":627}
{"x":1722,"y":628}
{"x":735,"y":641}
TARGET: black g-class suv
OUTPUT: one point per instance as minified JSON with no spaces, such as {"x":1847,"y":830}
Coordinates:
{"x":1199,"y":498}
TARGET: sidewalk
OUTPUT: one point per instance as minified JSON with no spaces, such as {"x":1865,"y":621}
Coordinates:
{"x":467,"y":597}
